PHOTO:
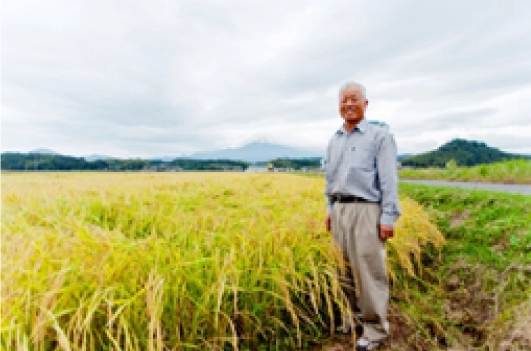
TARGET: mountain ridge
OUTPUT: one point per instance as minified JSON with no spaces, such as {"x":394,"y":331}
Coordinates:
{"x":463,"y":152}
{"x":258,"y":151}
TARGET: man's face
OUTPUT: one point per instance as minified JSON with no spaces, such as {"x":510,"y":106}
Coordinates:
{"x":352,"y":105}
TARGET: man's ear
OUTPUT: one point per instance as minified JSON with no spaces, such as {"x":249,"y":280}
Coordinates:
{"x":366,"y":103}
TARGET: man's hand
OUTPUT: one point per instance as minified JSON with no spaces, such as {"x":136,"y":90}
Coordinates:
{"x":386,"y":232}
{"x":328,"y":223}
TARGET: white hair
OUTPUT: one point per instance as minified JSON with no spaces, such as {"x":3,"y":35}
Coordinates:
{"x":348,"y":85}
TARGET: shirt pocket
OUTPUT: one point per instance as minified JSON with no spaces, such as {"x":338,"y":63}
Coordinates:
{"x":362,"y":158}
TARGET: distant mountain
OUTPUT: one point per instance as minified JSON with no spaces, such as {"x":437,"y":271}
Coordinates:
{"x":164,"y":158}
{"x":96,"y":157}
{"x":464,"y":152}
{"x":257,"y":151}
{"x":43,"y":151}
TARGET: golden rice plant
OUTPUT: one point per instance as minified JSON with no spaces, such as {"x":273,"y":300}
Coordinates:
{"x":414,"y":231}
{"x":191,"y":261}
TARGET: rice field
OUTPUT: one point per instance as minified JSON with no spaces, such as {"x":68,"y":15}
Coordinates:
{"x":177,"y":261}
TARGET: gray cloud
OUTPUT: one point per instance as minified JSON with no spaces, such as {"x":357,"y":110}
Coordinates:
{"x":174,"y":77}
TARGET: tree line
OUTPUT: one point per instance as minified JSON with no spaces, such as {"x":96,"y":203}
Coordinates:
{"x":14,"y":161}
{"x":297,"y":164}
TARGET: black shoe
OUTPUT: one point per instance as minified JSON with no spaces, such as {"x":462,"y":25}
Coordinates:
{"x":359,"y":329}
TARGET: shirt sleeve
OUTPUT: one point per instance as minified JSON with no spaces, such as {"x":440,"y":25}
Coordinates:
{"x":388,"y":179}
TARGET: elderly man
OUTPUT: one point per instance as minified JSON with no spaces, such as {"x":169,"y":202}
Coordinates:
{"x":362,"y":201}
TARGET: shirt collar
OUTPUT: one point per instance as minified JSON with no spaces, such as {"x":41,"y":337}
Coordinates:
{"x":362,"y":127}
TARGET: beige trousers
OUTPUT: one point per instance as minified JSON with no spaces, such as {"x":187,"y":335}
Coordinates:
{"x":365,"y":282}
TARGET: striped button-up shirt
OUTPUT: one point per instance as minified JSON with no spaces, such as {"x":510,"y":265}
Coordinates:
{"x":363,"y":163}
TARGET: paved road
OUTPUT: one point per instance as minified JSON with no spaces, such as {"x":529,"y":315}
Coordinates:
{"x":508,"y":188}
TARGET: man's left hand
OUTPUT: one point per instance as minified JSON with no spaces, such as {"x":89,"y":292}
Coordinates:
{"x":386,"y":232}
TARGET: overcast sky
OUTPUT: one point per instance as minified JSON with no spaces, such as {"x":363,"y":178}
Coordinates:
{"x":165,"y":78}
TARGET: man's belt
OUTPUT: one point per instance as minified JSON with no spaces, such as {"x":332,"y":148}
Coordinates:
{"x":347,"y":199}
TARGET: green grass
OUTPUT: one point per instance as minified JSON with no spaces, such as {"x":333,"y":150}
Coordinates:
{"x":482,"y":275}
{"x":515,"y":171}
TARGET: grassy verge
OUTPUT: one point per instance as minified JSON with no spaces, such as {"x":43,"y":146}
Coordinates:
{"x":478,"y":293}
{"x":516,"y":171}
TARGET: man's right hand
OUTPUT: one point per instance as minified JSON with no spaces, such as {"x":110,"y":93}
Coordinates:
{"x":328,"y":223}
